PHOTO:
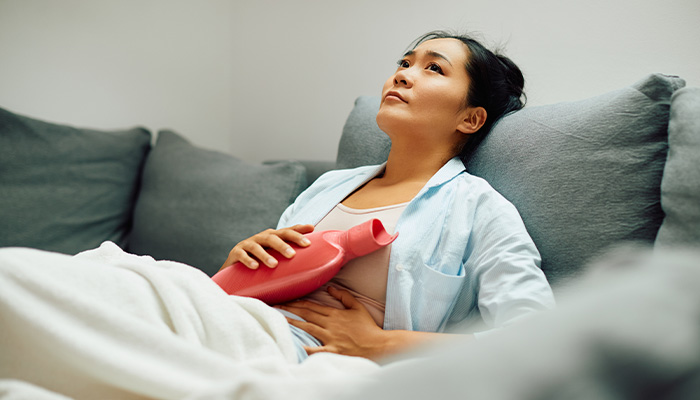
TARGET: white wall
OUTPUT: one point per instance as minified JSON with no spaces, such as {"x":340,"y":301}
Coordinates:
{"x":265,"y":79}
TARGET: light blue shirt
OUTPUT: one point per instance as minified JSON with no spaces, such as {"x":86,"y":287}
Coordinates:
{"x":462,"y":251}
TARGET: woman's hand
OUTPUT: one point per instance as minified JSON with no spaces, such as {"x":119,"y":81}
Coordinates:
{"x":351,"y":331}
{"x":250,"y":250}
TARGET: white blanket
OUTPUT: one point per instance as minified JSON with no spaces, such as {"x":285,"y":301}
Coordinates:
{"x":107,"y":324}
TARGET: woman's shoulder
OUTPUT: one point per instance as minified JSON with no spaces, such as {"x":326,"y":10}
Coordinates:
{"x":475,"y":184}
{"x":453,"y":175}
{"x":480,"y":193}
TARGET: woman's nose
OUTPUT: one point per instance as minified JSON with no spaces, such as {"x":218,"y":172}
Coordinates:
{"x":403,"y":78}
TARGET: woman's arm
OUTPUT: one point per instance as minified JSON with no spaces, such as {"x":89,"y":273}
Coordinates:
{"x":352,"y":331}
{"x":506,"y":264}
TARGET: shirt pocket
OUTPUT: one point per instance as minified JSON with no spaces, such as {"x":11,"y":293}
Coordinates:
{"x":437,"y":294}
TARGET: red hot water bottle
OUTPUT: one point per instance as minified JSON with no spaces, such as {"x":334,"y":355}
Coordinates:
{"x":309,"y":269}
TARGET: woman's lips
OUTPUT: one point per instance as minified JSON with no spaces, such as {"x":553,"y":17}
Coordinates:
{"x":396,"y":96}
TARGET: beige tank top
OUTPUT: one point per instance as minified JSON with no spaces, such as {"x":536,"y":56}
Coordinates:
{"x":365,"y":277}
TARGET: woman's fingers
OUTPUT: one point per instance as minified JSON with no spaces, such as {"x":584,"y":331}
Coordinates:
{"x":247,"y":260}
{"x":256,"y":248}
{"x":236,"y":255}
{"x":310,"y":350}
{"x":310,"y":328}
{"x":301,"y":228}
{"x":277,"y":240}
{"x":295,"y":234}
{"x":345,"y":297}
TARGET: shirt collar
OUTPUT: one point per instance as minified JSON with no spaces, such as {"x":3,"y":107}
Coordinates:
{"x":451,"y":169}
{"x":447,"y":172}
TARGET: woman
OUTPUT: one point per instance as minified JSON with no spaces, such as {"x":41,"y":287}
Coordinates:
{"x":462,"y":251}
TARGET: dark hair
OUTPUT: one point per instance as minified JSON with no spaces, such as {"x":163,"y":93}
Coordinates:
{"x":496,"y":84}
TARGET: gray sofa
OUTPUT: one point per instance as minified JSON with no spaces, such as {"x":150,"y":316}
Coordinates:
{"x":585,"y":175}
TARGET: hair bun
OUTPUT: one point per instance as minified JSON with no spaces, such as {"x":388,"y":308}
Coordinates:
{"x":515,"y":81}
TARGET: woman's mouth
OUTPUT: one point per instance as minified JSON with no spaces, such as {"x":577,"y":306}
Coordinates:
{"x":395,"y":96}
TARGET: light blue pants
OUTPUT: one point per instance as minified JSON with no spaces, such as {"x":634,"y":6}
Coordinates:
{"x":301,"y":337}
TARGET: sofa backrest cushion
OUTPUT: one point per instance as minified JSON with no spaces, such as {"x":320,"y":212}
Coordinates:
{"x":680,"y":185}
{"x":195,"y":204}
{"x":66,"y":189}
{"x":583,"y":174}
{"x":362,"y":142}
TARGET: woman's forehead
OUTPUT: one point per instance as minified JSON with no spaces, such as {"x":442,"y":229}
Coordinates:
{"x":454,"y":50}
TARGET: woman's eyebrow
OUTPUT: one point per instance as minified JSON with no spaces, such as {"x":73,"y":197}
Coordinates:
{"x":429,"y":53}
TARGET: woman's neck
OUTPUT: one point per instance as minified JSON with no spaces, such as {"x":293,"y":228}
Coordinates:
{"x":413,"y":164}
{"x":407,"y":171}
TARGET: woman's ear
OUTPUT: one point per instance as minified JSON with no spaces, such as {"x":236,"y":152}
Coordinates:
{"x":474,"y":119}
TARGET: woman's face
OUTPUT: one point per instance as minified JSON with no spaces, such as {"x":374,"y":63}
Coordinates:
{"x":428,"y":91}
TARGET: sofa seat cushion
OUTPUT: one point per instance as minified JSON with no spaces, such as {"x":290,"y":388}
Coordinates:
{"x":66,"y":189}
{"x":584,"y":175}
{"x":680,"y":185}
{"x":195,"y":204}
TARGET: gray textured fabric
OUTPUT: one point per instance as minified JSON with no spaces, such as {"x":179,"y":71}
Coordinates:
{"x":314,"y":168}
{"x":195,"y":204}
{"x":680,"y":185}
{"x":362,"y":142}
{"x":66,"y":189}
{"x":631,"y":330}
{"x":586,"y":174}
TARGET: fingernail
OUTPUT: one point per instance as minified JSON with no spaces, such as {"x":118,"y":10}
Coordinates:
{"x":254,"y":265}
{"x":305,"y":242}
{"x":271,"y":262}
{"x":289,"y":252}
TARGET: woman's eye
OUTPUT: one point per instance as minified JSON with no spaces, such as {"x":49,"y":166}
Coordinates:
{"x":402,"y":63}
{"x":435,"y":68}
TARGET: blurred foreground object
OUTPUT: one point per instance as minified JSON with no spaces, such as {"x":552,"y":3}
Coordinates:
{"x":630,"y":329}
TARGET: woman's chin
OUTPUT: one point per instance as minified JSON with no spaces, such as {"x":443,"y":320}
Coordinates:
{"x":390,"y":120}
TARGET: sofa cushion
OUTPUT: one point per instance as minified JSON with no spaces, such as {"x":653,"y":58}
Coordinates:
{"x":66,"y":189}
{"x":196,"y":204}
{"x":583,"y":174}
{"x":680,"y":185}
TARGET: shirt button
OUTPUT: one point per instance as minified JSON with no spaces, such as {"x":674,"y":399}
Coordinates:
{"x":399,"y":267}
